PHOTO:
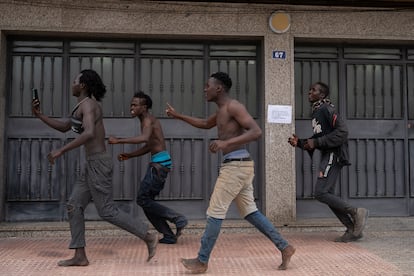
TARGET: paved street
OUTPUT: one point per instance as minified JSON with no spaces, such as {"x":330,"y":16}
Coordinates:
{"x":386,"y":250}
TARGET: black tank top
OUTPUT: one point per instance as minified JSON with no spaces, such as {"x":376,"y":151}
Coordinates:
{"x":77,"y":126}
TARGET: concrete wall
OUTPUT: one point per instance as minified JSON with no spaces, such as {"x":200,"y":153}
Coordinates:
{"x":183,"y":20}
{"x":2,"y":119}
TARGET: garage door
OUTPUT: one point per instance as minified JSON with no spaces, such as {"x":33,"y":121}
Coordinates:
{"x":173,"y":72}
{"x":372,"y":87}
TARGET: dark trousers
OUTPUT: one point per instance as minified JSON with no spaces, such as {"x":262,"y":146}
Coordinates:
{"x":96,"y":184}
{"x":325,"y":190}
{"x":157,"y":214}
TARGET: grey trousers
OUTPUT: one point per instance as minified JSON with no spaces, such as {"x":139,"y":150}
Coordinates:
{"x":96,"y":183}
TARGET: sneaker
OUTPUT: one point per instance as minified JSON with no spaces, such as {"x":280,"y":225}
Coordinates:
{"x":347,"y":237}
{"x":166,"y":240}
{"x":360,"y":220}
{"x":194,"y":265}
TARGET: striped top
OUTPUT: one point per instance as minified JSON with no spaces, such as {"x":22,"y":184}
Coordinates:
{"x":163,"y":158}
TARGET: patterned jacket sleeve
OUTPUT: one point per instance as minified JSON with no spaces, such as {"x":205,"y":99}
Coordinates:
{"x":337,"y":137}
{"x":301,"y":143}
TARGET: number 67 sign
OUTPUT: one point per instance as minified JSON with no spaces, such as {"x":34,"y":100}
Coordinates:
{"x":279,"y":54}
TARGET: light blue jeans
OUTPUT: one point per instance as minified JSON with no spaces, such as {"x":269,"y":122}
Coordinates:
{"x":235,"y":183}
{"x":257,"y":219}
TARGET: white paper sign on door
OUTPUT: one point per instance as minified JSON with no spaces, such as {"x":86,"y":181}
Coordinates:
{"x":279,"y":114}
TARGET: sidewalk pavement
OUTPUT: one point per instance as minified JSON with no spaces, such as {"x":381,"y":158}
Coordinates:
{"x":386,"y":249}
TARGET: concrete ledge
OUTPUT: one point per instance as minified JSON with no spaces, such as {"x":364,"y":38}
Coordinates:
{"x":103,"y":228}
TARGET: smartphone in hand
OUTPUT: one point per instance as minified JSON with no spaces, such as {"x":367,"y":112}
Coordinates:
{"x":35,"y":95}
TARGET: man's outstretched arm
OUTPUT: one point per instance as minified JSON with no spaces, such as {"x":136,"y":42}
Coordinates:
{"x":208,"y":123}
{"x":141,"y":151}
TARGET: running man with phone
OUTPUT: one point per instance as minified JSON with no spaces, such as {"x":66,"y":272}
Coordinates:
{"x":96,"y":180}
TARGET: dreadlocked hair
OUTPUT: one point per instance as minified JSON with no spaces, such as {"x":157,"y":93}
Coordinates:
{"x":93,"y":83}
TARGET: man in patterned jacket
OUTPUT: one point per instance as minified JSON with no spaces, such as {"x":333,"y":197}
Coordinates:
{"x":330,"y":136}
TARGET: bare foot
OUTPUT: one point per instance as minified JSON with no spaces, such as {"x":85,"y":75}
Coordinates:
{"x":194,"y":265}
{"x":287,"y":253}
{"x":74,"y":262}
{"x":151,"y":240}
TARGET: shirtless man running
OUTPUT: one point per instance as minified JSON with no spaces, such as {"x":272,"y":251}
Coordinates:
{"x":153,"y":141}
{"x":96,"y":181}
{"x":236,"y":128}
